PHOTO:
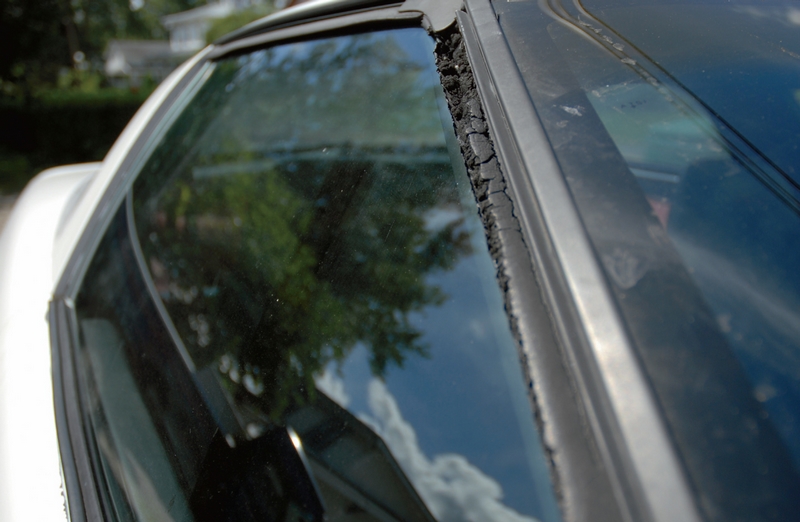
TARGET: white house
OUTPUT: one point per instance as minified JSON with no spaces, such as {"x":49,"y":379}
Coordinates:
{"x":128,"y":62}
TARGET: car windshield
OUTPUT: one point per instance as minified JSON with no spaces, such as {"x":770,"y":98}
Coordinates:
{"x":677,"y":126}
{"x":295,"y":316}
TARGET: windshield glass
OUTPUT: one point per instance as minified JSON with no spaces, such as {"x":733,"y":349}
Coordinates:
{"x":677,"y":127}
{"x":740,"y":59}
{"x":300,"y":288}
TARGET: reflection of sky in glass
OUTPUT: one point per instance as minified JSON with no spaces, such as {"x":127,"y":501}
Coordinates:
{"x":467,"y":399}
{"x":740,"y":60}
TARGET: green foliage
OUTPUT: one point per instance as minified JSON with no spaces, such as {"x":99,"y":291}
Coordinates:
{"x":39,"y":37}
{"x":80,"y":80}
{"x":58,"y":127}
{"x":15,"y":171}
{"x":296,"y":209}
{"x":233,"y":22}
{"x":34,"y":45}
{"x":97,"y":22}
{"x":283,"y":275}
{"x":87,"y":99}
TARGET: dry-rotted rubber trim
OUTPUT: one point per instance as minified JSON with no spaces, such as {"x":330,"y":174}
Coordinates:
{"x":495,"y":207}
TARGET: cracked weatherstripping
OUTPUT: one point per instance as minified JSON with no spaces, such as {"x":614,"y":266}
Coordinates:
{"x":502,"y":228}
{"x":473,"y":135}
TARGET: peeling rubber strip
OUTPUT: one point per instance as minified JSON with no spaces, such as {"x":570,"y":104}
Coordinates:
{"x":495,"y":208}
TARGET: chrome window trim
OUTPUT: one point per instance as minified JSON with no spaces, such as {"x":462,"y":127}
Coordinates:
{"x":622,"y":409}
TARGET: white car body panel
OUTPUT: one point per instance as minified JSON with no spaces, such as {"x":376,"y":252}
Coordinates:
{"x":30,"y":479}
{"x":35,"y":245}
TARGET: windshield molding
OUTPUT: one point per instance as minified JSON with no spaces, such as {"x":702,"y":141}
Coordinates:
{"x":622,"y":410}
{"x":81,"y":501}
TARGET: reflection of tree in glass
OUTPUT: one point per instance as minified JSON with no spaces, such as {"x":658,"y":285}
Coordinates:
{"x":357,"y":90}
{"x":302,"y":213}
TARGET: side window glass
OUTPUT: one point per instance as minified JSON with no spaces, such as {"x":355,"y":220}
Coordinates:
{"x":306,"y":230}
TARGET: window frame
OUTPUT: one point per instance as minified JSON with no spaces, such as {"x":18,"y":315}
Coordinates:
{"x":647,"y":476}
{"x":591,"y":474}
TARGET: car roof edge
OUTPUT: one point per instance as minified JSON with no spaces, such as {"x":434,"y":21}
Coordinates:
{"x":301,"y":13}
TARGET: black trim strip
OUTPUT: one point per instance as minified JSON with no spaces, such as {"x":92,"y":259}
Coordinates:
{"x":76,"y":467}
{"x":79,"y":474}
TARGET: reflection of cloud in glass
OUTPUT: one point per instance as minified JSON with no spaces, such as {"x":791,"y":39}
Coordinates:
{"x":789,"y":16}
{"x":793,"y":15}
{"x":452,"y":488}
{"x":332,"y":386}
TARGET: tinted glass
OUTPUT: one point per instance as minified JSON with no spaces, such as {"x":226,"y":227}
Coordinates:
{"x":740,"y":58}
{"x":146,"y":464}
{"x":305,"y":229}
{"x":676,"y":125}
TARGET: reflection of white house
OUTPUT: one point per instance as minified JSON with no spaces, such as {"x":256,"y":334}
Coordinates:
{"x":128,"y":62}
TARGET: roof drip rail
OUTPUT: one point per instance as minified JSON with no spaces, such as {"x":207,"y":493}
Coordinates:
{"x":437,"y":14}
{"x":305,"y":12}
